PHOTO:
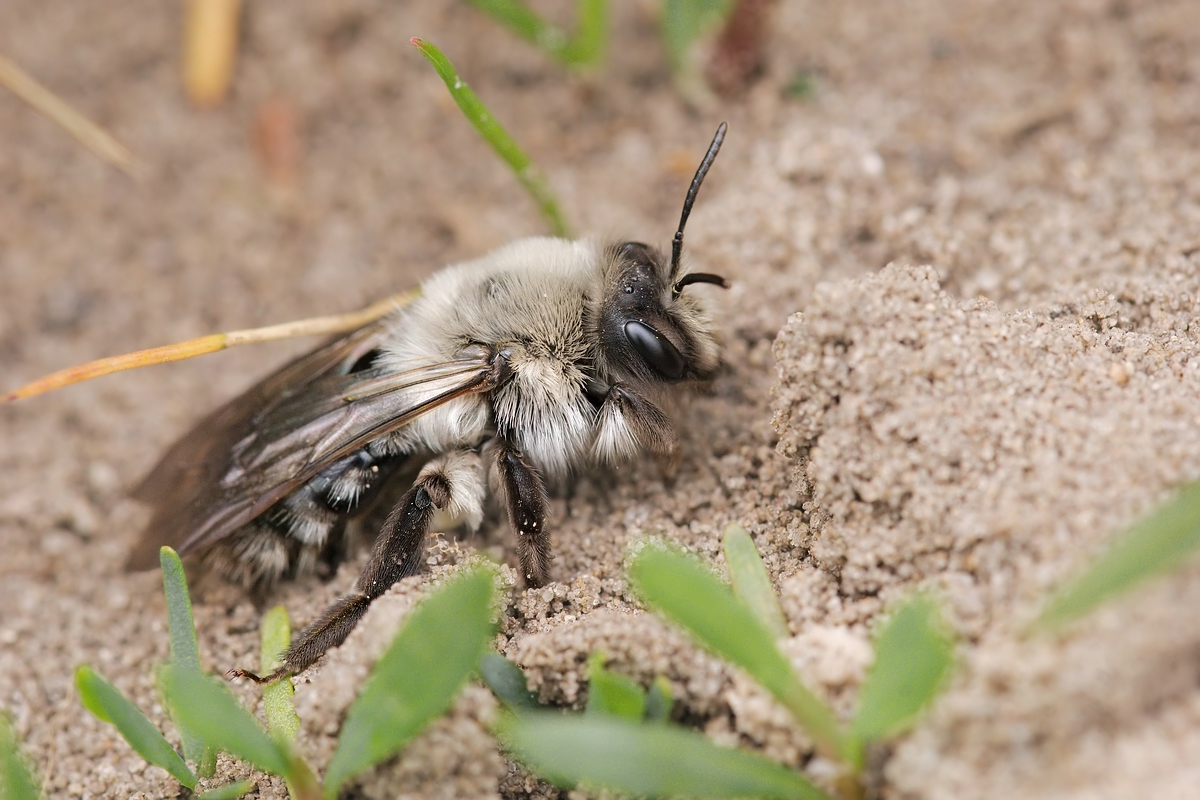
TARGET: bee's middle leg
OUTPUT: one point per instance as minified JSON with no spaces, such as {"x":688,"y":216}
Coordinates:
{"x":452,"y":483}
{"x":525,"y":496}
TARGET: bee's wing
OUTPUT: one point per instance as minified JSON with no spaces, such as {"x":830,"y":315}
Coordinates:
{"x":201,"y":456}
{"x":266,"y":443}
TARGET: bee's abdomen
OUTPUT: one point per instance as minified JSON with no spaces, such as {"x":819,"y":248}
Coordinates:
{"x":306,"y":531}
{"x":313,"y":512}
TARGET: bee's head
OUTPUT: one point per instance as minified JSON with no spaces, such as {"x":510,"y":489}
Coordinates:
{"x":650,"y":329}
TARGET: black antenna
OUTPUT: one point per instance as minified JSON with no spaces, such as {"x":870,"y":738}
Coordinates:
{"x":699,"y":277}
{"x":701,"y":171}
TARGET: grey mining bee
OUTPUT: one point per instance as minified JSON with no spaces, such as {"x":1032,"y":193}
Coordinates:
{"x":508,"y":370}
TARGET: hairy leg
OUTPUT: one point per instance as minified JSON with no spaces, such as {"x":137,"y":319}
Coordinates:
{"x":524,"y":494}
{"x":451,"y":483}
{"x":627,"y":423}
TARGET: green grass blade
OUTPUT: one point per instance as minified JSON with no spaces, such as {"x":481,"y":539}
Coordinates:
{"x":529,"y":25}
{"x":685,"y":22}
{"x":587,"y":46}
{"x":185,"y":652}
{"x":282,"y":721}
{"x":507,"y":682}
{"x":612,"y":694}
{"x":108,"y":704}
{"x":211,"y":710}
{"x":17,"y":781}
{"x":913,"y":658}
{"x":750,"y":581}
{"x":689,"y":594}
{"x":645,"y":760}
{"x":230,"y":791}
{"x":659,"y":701}
{"x":1162,"y":541}
{"x":473,"y":108}
{"x":418,"y":677}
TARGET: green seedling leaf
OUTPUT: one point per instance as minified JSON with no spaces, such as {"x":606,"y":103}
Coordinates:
{"x":418,"y":677}
{"x":913,"y":657}
{"x":230,"y":791}
{"x":473,"y":108}
{"x":209,"y":709}
{"x":282,"y":721}
{"x":208,"y":764}
{"x":507,"y":682}
{"x":529,"y":25}
{"x":684,"y":22}
{"x":17,"y":781}
{"x":659,"y":700}
{"x":108,"y":704}
{"x":645,"y":760}
{"x":1162,"y":541}
{"x":184,"y":653}
{"x":690,"y":595}
{"x":584,"y":49}
{"x":750,"y":581}
{"x":587,"y":46}
{"x":613,"y":694}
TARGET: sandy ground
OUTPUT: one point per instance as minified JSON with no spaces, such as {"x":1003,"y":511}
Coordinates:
{"x":978,"y":418}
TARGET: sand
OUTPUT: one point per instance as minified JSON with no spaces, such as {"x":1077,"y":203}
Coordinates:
{"x":960,"y":353}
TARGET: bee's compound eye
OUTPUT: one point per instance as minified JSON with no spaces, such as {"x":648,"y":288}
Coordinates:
{"x":654,"y":348}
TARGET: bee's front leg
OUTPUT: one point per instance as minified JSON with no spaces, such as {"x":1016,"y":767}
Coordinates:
{"x":628,"y":422}
{"x":452,"y":483}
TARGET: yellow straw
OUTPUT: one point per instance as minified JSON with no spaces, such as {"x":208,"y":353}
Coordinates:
{"x":91,"y":135}
{"x":340,"y":323}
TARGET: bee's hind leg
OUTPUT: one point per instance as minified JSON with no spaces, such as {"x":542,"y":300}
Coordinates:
{"x":452,"y":483}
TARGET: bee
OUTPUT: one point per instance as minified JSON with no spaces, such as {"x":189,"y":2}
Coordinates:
{"x":507,"y":372}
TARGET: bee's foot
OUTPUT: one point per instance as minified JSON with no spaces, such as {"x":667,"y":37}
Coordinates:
{"x":237,"y":674}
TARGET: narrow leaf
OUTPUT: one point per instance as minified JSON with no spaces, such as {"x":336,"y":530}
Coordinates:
{"x":913,"y":657}
{"x":750,"y":581}
{"x":612,"y":694}
{"x":584,"y":48}
{"x":184,"y":652}
{"x":1162,"y":541}
{"x":230,"y":791}
{"x":17,"y":781}
{"x":209,"y":709}
{"x":494,"y":134}
{"x":108,"y":704}
{"x":282,"y":721}
{"x":507,"y":682}
{"x":529,"y":25}
{"x":659,"y":700}
{"x":418,"y":677}
{"x":587,"y":46}
{"x":685,"y":22}
{"x":689,"y":594}
{"x":645,"y":760}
